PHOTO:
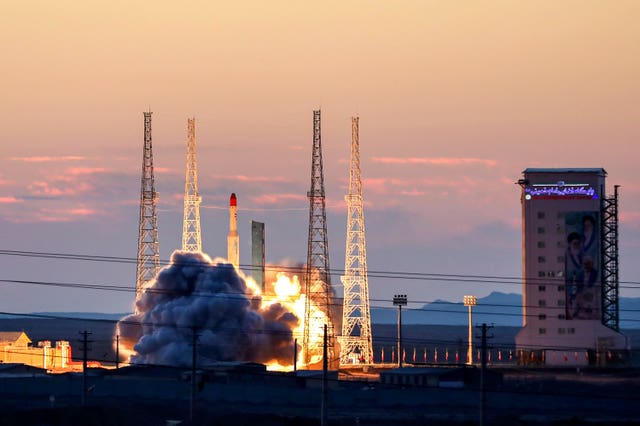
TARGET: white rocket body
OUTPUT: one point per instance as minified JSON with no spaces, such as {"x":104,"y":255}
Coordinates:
{"x":233,"y":245}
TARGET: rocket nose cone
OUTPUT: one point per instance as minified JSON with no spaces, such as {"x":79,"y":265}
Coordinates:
{"x":233,"y":201}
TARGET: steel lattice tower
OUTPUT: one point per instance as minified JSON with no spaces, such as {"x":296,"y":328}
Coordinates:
{"x":318,"y":280}
{"x":610,"y":262}
{"x":356,"y":316}
{"x":148,"y":255}
{"x":191,"y":236}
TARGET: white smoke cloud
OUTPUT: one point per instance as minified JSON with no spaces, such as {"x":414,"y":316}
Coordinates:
{"x":195,"y":292}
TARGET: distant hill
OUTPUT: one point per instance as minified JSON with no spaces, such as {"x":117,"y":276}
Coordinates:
{"x":70,"y":315}
{"x":502,"y":309}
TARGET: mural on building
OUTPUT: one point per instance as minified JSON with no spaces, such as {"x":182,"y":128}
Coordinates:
{"x":582,"y":265}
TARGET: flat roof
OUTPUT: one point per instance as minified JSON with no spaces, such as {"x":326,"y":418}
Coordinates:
{"x":566,"y":170}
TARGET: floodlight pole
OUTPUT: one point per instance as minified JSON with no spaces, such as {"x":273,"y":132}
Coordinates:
{"x":470,"y":301}
{"x":400,"y":300}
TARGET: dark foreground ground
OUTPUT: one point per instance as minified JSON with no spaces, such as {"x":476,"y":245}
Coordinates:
{"x":527,"y":397}
{"x":137,"y":416}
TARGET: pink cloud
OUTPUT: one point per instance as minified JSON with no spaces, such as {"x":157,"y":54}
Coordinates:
{"x":85,"y":170}
{"x":74,"y":181}
{"x":436,"y":161}
{"x":49,"y":159}
{"x":10,"y":200}
{"x":245,"y":178}
{"x":54,"y":215}
{"x":413,"y":193}
{"x":59,"y":188}
{"x":277,"y":198}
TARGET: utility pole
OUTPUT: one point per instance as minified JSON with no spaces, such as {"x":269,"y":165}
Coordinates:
{"x":194,"y":360}
{"x":400,"y":300}
{"x":85,"y":347}
{"x":295,"y":355}
{"x":483,"y":397}
{"x":117,"y":351}
{"x":325,"y":367}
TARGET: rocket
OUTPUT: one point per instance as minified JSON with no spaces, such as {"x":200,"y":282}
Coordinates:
{"x":233,"y":247}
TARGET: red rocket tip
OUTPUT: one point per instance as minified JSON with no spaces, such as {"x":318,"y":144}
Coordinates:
{"x":233,"y":201}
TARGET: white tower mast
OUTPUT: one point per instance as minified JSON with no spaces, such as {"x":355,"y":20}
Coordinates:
{"x":191,"y":236}
{"x":356,"y":316}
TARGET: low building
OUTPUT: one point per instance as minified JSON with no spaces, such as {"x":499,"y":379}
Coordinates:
{"x":441,"y":377}
{"x":16,"y":348}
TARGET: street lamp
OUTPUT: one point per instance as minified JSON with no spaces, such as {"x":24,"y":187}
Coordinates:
{"x":400,"y":300}
{"x":470,"y":301}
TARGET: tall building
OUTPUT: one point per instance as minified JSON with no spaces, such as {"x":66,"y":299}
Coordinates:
{"x":257,"y":253}
{"x":570,"y":264}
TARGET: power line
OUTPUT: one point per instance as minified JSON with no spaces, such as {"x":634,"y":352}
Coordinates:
{"x":240,"y":295}
{"x":426,"y":276}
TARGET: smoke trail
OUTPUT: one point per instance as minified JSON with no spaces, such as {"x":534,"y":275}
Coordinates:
{"x":195,"y":292}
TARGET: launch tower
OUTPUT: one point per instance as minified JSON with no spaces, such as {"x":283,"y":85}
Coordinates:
{"x":356,"y":317}
{"x":318,"y":281}
{"x":191,"y":236}
{"x":148,"y":255}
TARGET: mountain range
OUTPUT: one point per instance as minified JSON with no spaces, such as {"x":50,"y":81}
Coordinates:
{"x":504,"y":309}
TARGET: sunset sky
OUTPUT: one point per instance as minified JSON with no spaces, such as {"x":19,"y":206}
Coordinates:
{"x":455,"y":99}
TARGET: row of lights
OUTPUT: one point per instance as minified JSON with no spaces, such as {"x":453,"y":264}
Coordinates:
{"x":400,"y":300}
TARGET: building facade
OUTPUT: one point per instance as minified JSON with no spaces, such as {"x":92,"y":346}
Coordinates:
{"x":16,"y":348}
{"x":563,"y":258}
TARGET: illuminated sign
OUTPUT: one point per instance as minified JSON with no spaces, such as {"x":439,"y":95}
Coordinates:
{"x":560,"y":191}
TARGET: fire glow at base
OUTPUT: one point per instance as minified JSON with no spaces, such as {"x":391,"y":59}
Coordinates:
{"x":234,"y":322}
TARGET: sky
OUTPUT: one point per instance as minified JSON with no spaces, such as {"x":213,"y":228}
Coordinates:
{"x":455,"y":100}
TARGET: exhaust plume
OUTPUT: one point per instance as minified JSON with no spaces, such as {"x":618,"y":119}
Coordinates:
{"x":214,"y":299}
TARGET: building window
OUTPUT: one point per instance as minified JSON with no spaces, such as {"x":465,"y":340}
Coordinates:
{"x":560,"y":259}
{"x":542,"y":317}
{"x":542,"y":302}
{"x":572,"y":331}
{"x":542,"y":288}
{"x":560,"y":274}
{"x":540,"y":215}
{"x":541,"y":244}
{"x":562,"y":330}
{"x":542,"y":331}
{"x":560,"y":244}
{"x":561,"y":302}
{"x":551,"y":274}
{"x":561,"y":316}
{"x":559,"y":229}
{"x":542,"y":259}
{"x":541,"y":273}
{"x":540,"y":229}
{"x":560,"y":288}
